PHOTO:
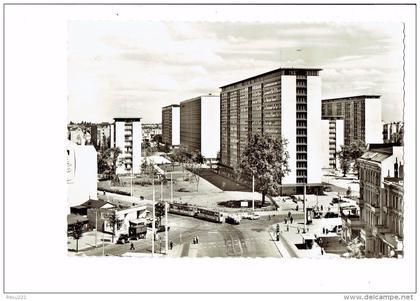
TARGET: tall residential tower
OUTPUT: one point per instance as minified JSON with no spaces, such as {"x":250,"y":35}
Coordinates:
{"x":285,"y":103}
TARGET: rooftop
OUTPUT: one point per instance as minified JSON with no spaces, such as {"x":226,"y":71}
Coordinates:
{"x":198,"y":98}
{"x":357,"y":97}
{"x":127,"y":119}
{"x":170,"y":106}
{"x":273,"y":71}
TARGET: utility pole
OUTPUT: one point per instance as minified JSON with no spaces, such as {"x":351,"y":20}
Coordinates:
{"x":96,"y":226}
{"x":131,"y":182}
{"x":166,"y":227}
{"x":153,"y":218}
{"x":253,"y":190}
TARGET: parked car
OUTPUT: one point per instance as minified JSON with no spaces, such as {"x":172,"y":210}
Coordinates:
{"x":183,"y":190}
{"x":331,"y":215}
{"x":337,"y":201}
{"x":327,"y":188}
{"x":123,"y":239}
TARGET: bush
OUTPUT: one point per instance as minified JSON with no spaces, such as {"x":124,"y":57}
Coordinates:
{"x":114,"y":191}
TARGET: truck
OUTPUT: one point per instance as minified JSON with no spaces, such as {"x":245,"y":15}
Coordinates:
{"x":137,"y":229}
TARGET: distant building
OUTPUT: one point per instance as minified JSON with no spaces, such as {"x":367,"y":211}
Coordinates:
{"x":81,"y":173}
{"x":393,"y":132}
{"x":285,"y":103}
{"x":104,"y":135}
{"x":126,"y":135}
{"x":170,"y":125}
{"x":149,"y":130}
{"x":200,"y":126}
{"x":379,"y":162}
{"x":83,"y":134}
{"x":361,"y":114}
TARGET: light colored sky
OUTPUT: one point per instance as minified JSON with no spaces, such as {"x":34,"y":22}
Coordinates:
{"x":132,"y":69}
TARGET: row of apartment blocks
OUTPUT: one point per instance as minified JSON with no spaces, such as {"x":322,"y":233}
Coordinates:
{"x":194,"y":125}
{"x":284,"y":102}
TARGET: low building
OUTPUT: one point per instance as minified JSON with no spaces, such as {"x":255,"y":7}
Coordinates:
{"x":124,"y":212}
{"x":200,"y":126}
{"x":81,"y":173}
{"x":83,"y":134}
{"x":380,"y":161}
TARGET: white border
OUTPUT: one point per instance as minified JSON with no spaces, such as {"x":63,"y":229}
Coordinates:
{"x":36,"y":94}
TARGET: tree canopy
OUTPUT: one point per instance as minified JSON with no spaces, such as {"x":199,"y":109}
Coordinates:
{"x":267,"y":159}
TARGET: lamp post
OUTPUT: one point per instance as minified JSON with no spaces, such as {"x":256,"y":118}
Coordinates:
{"x":253,"y":193}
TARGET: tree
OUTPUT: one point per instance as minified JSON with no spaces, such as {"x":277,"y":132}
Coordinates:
{"x":77,"y":233}
{"x":159,"y":212}
{"x":195,"y":165}
{"x":349,"y":155}
{"x":108,"y":162}
{"x":267,"y":159}
{"x":357,"y":149}
{"x":114,"y":222}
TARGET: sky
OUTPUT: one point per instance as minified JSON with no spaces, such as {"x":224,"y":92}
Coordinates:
{"x":133,"y":69}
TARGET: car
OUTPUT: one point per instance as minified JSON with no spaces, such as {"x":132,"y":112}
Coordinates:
{"x":233,"y":219}
{"x":123,"y":239}
{"x":161,"y":228}
{"x":254,"y":216}
{"x":327,"y":188}
{"x":183,"y":190}
{"x":331,"y":215}
{"x":337,"y":201}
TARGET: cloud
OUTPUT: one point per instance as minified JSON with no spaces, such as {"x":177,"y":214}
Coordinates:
{"x":121,"y":67}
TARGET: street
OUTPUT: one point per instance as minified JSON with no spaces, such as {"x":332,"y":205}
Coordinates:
{"x":249,"y":239}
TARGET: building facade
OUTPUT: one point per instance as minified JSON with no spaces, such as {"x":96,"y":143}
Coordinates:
{"x":149,"y":130}
{"x":171,"y":125}
{"x":104,"y":135}
{"x":379,"y":162}
{"x":285,"y":103}
{"x":393,"y":132}
{"x":332,"y":140}
{"x":127,"y":137}
{"x":362,"y":117}
{"x":81,"y":173}
{"x":200,"y":126}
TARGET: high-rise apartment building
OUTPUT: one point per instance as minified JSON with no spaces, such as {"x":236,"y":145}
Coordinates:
{"x":200,"y":125}
{"x":361,"y":115}
{"x":376,"y":166}
{"x":126,"y":135}
{"x":285,"y":103}
{"x":170,"y":125}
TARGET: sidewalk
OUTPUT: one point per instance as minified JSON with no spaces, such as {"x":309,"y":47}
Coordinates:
{"x":87,"y":241}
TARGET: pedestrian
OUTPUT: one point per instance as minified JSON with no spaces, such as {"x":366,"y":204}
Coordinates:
{"x":322,"y":208}
{"x":322,"y":251}
{"x":298,"y":229}
{"x":132,"y":246}
{"x":297,"y":207}
{"x":171,"y":245}
{"x":291,"y":219}
{"x":196,"y":239}
{"x":323,"y":230}
{"x":287,"y":228}
{"x":289,"y":214}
